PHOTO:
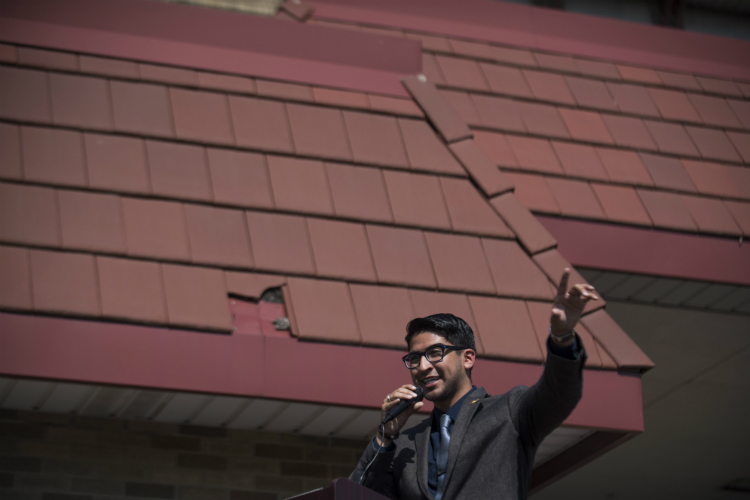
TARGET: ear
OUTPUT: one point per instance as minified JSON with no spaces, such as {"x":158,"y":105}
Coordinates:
{"x":468,"y":356}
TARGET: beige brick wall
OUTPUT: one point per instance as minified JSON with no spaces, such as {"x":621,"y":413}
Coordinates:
{"x":61,"y":457}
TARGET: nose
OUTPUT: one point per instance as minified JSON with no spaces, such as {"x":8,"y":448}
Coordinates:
{"x":424,"y":365}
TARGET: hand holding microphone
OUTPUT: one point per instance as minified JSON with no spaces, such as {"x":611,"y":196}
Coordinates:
{"x":397,"y":407}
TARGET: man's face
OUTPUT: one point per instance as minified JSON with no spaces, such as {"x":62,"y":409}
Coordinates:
{"x":443,"y":379}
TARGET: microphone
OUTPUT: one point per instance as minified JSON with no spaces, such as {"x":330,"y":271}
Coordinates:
{"x":402,"y":405}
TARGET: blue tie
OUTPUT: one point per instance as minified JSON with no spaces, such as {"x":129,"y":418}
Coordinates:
{"x":442,"y":454}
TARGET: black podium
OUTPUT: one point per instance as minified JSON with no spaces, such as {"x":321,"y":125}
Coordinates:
{"x":341,"y":489}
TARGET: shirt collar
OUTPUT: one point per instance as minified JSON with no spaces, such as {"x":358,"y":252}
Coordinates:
{"x":453,"y":410}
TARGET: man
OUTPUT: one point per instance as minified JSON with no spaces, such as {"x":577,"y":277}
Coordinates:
{"x":473,"y":445}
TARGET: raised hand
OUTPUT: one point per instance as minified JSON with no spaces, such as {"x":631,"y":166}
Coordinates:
{"x":568,"y":305}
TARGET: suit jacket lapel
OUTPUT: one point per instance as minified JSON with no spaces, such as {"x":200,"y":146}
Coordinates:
{"x":465,"y":415}
{"x":422,"y":445}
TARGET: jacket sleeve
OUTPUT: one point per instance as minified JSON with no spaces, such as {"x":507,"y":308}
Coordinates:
{"x":379,"y":477}
{"x":544,"y":406}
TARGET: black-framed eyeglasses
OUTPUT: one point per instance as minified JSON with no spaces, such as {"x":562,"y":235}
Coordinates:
{"x":434,"y":354}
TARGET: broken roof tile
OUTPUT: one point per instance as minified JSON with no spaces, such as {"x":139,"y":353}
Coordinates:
{"x":341,"y":250}
{"x":201,"y":116}
{"x":251,"y":285}
{"x":640,"y":75}
{"x":534,"y":154}
{"x":178,"y":170}
{"x":10,"y":152}
{"x":741,"y":213}
{"x":575,"y":198}
{"x":299,"y":185}
{"x":674,"y":105}
{"x":505,"y":80}
{"x":28,"y":215}
{"x":717,"y":86}
{"x":341,"y":98}
{"x":557,"y":62}
{"x":375,"y":139}
{"x":16,"y":278}
{"x":91,"y":221}
{"x":52,"y":59}
{"x":445,"y":119}
{"x":617,"y":343}
{"x":168,"y":74}
{"x":580,"y":160}
{"x":542,"y":119}
{"x":711,"y":215}
{"x":481,"y":169}
{"x":155,"y":228}
{"x":667,"y":210}
{"x":239,"y":178}
{"x":394,"y":105}
{"x":131,"y":290}
{"x":591,"y":93}
{"x":64,"y":283}
{"x":462,"y":73}
{"x":633,"y":99}
{"x":228,"y":83}
{"x":260,"y":123}
{"x":469,"y":211}
{"x":621,"y":204}
{"x":359,"y":192}
{"x":741,"y":110}
{"x":629,"y":132}
{"x":530,"y":232}
{"x":624,"y":166}
{"x":428,"y":303}
{"x":463,"y":104}
{"x":671,"y":138}
{"x":318,"y":131}
{"x":679,"y":80}
{"x":107,"y":66}
{"x":324,"y":310}
{"x":553,"y":264}
{"x":742,"y":143}
{"x":401,"y":256}
{"x":141,"y":108}
{"x":53,"y":156}
{"x":80,"y":101}
{"x":586,"y":126}
{"x":548,"y":86}
{"x":459,"y":263}
{"x":711,"y":178}
{"x":430,"y":42}
{"x":431,"y":70}
{"x":714,"y":111}
{"x":425,"y":150}
{"x":667,"y":172}
{"x":280,"y":242}
{"x":507,"y":331}
{"x":498,"y":112}
{"x":218,"y":236}
{"x":416,"y":199}
{"x":471,"y":49}
{"x":196,"y":297}
{"x":25,"y":95}
{"x":380,"y":329}
{"x":532,"y":190}
{"x":284,"y":90}
{"x":518,"y":57}
{"x":116,"y":163}
{"x":599,"y":69}
{"x":496,"y":147}
{"x":514,"y":273}
{"x":713,"y":144}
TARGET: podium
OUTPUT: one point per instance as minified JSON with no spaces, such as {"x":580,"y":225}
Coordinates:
{"x":341,"y":489}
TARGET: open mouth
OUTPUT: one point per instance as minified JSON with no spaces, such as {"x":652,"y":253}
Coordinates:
{"x":430,"y":382}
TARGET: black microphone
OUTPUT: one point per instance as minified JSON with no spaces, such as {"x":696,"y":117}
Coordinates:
{"x":402,"y":405}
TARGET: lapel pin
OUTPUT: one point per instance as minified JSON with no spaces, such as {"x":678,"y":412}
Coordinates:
{"x":472,"y":402}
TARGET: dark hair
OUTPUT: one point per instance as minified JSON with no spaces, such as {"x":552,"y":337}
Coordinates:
{"x":450,"y":327}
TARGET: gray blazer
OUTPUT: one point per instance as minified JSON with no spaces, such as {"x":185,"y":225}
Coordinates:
{"x":493,"y":442}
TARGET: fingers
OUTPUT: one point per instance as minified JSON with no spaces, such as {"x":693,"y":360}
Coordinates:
{"x":562,"y":289}
{"x":403,"y":392}
{"x":584,"y":292}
